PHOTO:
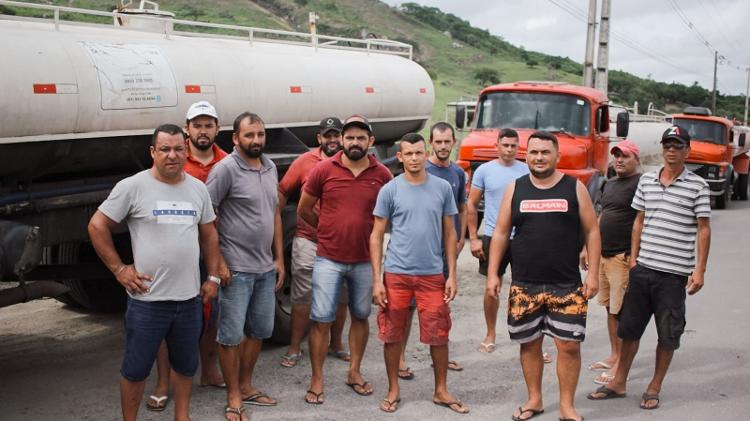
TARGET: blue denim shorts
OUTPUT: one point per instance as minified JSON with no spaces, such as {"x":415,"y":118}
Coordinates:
{"x":246,"y":307}
{"x":147,"y":323}
{"x":327,"y":280}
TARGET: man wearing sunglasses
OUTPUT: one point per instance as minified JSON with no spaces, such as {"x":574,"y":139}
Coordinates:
{"x":670,"y":230}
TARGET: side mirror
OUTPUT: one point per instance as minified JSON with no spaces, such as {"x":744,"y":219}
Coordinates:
{"x":741,"y":140}
{"x":460,"y":116}
{"x":623,"y":123}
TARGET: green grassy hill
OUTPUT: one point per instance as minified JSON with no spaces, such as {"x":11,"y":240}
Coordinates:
{"x":449,"y":48}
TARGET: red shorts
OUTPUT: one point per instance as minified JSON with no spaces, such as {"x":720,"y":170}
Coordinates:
{"x":434,"y":313}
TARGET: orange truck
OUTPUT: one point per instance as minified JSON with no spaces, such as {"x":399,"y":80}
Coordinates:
{"x":718,"y":153}
{"x":577,"y":115}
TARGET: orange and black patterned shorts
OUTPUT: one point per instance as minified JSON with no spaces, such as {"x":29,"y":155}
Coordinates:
{"x":557,"y":310}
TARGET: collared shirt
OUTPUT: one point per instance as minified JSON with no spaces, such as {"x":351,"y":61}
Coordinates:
{"x":670,"y":222}
{"x":293,"y":181}
{"x":346,"y":204}
{"x":200,"y":170}
{"x":246,"y":200}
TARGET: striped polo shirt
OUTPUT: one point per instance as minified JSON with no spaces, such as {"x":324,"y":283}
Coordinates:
{"x":671,"y":220}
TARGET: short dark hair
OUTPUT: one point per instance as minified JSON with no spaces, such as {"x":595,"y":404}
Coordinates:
{"x":544,"y":135}
{"x":170,"y":129}
{"x":442,"y":126}
{"x":507,"y":133}
{"x":412,"y":138}
{"x":254,"y":118}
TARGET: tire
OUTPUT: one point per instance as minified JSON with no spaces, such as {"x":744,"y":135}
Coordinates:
{"x":720,"y":202}
{"x":740,"y":189}
{"x":282,"y":320}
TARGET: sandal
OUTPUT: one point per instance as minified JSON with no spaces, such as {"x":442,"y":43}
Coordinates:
{"x":606,"y":392}
{"x":487,"y":348}
{"x":362,"y":388}
{"x":160,"y":405}
{"x":459,"y":408}
{"x":290,"y":360}
{"x":317,"y":400}
{"x":236,"y":411}
{"x":340,"y":354}
{"x":649,"y":397}
{"x":521,"y":411}
{"x":546,"y":358}
{"x":255,"y":399}
{"x":390,"y":406}
{"x":405,"y":373}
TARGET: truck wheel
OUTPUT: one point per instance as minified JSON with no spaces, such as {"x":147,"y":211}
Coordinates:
{"x":720,"y":202}
{"x":740,"y":188}
{"x":282,"y":321}
{"x":98,"y":295}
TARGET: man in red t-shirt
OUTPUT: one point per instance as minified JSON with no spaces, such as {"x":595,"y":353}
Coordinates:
{"x":305,"y":246}
{"x":346,"y":186}
{"x":201,"y":127}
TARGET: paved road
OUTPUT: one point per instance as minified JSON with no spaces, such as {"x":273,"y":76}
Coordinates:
{"x":60,"y":364}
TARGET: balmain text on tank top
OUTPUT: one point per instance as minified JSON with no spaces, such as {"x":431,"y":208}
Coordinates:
{"x":547,"y":228}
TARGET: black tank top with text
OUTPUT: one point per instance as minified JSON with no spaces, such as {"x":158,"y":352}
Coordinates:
{"x":547,"y":229}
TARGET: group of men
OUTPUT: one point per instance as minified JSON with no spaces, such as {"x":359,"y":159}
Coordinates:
{"x":198,"y":204}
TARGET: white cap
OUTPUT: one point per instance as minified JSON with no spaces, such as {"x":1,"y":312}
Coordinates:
{"x":202,"y":108}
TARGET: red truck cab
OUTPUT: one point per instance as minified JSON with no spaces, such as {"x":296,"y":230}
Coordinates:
{"x":718,"y":153}
{"x":578,"y":116}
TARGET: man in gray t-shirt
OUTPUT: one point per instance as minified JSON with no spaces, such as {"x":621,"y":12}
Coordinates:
{"x":419,"y":208}
{"x":243,"y":188}
{"x":170,"y":219}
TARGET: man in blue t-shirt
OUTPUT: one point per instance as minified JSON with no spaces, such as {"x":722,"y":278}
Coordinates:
{"x":490,"y":180}
{"x":419,"y":209}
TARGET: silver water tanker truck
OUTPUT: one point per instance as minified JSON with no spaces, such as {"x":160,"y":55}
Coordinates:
{"x":79,"y":101}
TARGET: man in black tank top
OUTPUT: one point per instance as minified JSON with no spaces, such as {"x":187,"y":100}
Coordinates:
{"x":546,"y":212}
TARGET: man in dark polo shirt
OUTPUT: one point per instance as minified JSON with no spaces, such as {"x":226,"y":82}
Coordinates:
{"x":347,"y":187}
{"x":671,"y":228}
{"x":548,"y":212}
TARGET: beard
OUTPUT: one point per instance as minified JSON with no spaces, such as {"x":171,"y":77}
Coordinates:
{"x":542,"y":174}
{"x":202,"y":146}
{"x":328,"y":151}
{"x":443,"y":155}
{"x":253,"y":150}
{"x":355,"y":153}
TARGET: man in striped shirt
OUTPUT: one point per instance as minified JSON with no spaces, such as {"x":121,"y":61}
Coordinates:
{"x":670,"y":229}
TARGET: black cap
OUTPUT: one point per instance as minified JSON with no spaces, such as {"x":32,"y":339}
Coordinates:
{"x":677,"y":133}
{"x":357,"y":121}
{"x":330,"y":123}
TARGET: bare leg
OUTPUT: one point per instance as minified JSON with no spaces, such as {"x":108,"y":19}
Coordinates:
{"x":130,"y":398}
{"x":209,"y":352}
{"x":663,"y":359}
{"x":402,"y":366}
{"x":229,"y":357}
{"x":491,"y":306}
{"x":337,"y":329}
{"x":300,"y":325}
{"x":615,"y":343}
{"x":318,"y":341}
{"x":568,"y":369}
{"x":182,"y":389}
{"x":627,"y":354}
{"x":249,"y":353}
{"x":533,"y":368}
{"x":439,"y":354}
{"x":391,"y":353}
{"x":162,"y":372}
{"x":359,"y":331}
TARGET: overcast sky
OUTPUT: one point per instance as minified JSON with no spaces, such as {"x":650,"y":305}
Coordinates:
{"x":665,"y":49}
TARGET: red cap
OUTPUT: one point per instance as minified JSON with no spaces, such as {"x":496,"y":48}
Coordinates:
{"x":627,"y":148}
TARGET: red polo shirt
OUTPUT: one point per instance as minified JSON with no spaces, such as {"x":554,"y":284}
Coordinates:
{"x":346,"y":204}
{"x":292,"y":183}
{"x":197,"y":169}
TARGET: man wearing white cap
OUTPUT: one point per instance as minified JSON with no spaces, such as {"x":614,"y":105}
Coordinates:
{"x":616,"y":226}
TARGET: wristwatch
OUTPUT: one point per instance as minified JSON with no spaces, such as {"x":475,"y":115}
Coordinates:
{"x":214,"y":279}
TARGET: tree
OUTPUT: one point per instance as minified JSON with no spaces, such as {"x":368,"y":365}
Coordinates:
{"x":531,"y":63}
{"x":487,"y":76}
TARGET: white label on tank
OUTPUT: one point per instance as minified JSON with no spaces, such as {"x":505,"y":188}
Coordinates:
{"x":132,"y":76}
{"x":579,"y":101}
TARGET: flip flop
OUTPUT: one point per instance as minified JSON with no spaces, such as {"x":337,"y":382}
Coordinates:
{"x":318,"y":396}
{"x":462,"y":409}
{"x":604,"y":378}
{"x":362,"y":386}
{"x":255,"y":399}
{"x":452,"y":365}
{"x":237,"y":411}
{"x":405,"y":373}
{"x":600,"y":366}
{"x":648,"y":397}
{"x":216,"y":385}
{"x":290,"y":360}
{"x":487,"y":348}
{"x":534,"y":413}
{"x":546,"y":358}
{"x":570,"y":419}
{"x":340,"y":354}
{"x":161,"y":403}
{"x":391,"y":406}
{"x":607,"y":394}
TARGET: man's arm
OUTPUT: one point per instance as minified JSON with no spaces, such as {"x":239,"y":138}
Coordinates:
{"x":463,"y":221}
{"x":376,"y":260}
{"x":590,"y":227}
{"x":635,"y":238}
{"x":499,"y":241}
{"x":282,"y":199}
{"x":305,"y":209}
{"x":695,"y":281}
{"x":100,"y":232}
{"x":209,"y":241}
{"x":449,"y":243}
{"x":278,"y":247}
{"x":472,"y":221}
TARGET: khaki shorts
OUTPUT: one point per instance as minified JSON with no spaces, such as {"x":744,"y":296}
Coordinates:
{"x":613,"y":281}
{"x":303,"y":259}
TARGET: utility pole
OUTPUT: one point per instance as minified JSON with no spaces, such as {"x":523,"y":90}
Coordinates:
{"x":588,"y":64}
{"x":747,"y":93}
{"x":713,"y":96}
{"x":602,"y":65}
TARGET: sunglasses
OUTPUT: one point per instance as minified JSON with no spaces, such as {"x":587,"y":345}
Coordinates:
{"x":675,"y":146}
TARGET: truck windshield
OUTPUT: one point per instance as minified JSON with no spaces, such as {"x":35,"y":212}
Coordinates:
{"x":705,"y":131}
{"x":530,"y":110}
